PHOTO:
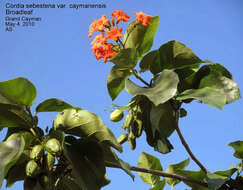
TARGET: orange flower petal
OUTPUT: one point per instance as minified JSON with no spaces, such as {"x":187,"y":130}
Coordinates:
{"x":120,"y":15}
{"x":142,"y":18}
{"x":114,"y":33}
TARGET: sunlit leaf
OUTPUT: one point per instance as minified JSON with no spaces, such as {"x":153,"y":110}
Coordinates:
{"x":10,"y":151}
{"x":85,"y":124}
{"x":174,"y":168}
{"x":17,"y":91}
{"x":141,"y":37}
{"x":116,"y":81}
{"x":238,"y":147}
{"x":207,"y":95}
{"x":52,"y":105}
{"x":125,"y":59}
{"x":164,"y":88}
{"x":149,"y":162}
{"x":175,"y":55}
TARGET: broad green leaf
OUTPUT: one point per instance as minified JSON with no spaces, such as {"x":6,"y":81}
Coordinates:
{"x":199,"y":175}
{"x":32,"y":184}
{"x":116,"y":81}
{"x":210,"y":69}
{"x":125,"y":59}
{"x":159,"y":186}
{"x":10,"y":151}
{"x":141,"y":37}
{"x":186,"y":77}
{"x":165,"y":87}
{"x":174,"y":168}
{"x":68,"y":184}
{"x":207,"y":95}
{"x":17,"y":91}
{"x":175,"y":55}
{"x":163,"y":146}
{"x":162,"y":119}
{"x":112,"y":160}
{"x":52,"y":105}
{"x":238,"y":147}
{"x":222,"y":83}
{"x":16,"y":173}
{"x":87,"y":162}
{"x":217,"y":179}
{"x":148,"y":60}
{"x":149,"y":162}
{"x":14,"y":116}
{"x":85,"y":124}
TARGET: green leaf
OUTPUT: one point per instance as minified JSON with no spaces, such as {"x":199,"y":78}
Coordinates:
{"x":210,"y":69}
{"x":15,"y":173}
{"x":164,"y":88}
{"x":222,"y":83}
{"x":52,"y":105}
{"x":207,"y":95}
{"x":116,"y":81}
{"x":141,"y":37}
{"x":14,"y":116}
{"x":175,"y":55}
{"x":159,"y":186}
{"x":163,"y":146}
{"x":174,"y":168}
{"x":125,"y":59}
{"x":238,"y":147}
{"x":87,"y":160}
{"x":199,"y":175}
{"x":17,"y":91}
{"x":85,"y":124}
{"x":217,"y":179}
{"x":10,"y":151}
{"x":149,"y":162}
{"x":182,"y":112}
{"x":152,"y":58}
{"x":162,"y":119}
{"x":111,"y":159}
{"x":67,"y":184}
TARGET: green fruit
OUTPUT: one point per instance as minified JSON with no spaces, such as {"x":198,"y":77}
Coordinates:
{"x":50,"y":161}
{"x":116,"y":115}
{"x":53,"y":146}
{"x":37,"y":152}
{"x":123,"y":138}
{"x":128,"y":121}
{"x":32,"y":169}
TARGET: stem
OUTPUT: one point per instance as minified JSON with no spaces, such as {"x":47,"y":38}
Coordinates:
{"x":164,"y":174}
{"x":186,"y":145}
{"x":139,"y":78}
{"x":119,"y":40}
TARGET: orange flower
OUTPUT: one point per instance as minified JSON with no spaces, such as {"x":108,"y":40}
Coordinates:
{"x":142,"y":18}
{"x":99,"y":40}
{"x":103,"y":51}
{"x":120,"y":15}
{"x":98,"y":25}
{"x":114,"y":33}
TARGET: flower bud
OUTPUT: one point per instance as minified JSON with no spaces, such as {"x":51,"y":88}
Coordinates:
{"x":116,"y":115}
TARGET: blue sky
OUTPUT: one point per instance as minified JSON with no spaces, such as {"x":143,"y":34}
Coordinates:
{"x":56,"y":56}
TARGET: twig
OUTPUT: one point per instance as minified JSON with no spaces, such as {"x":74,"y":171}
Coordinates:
{"x":164,"y":174}
{"x":186,"y":145}
{"x":139,"y":78}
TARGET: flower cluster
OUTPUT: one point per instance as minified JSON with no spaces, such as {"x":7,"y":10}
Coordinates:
{"x":110,"y":31}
